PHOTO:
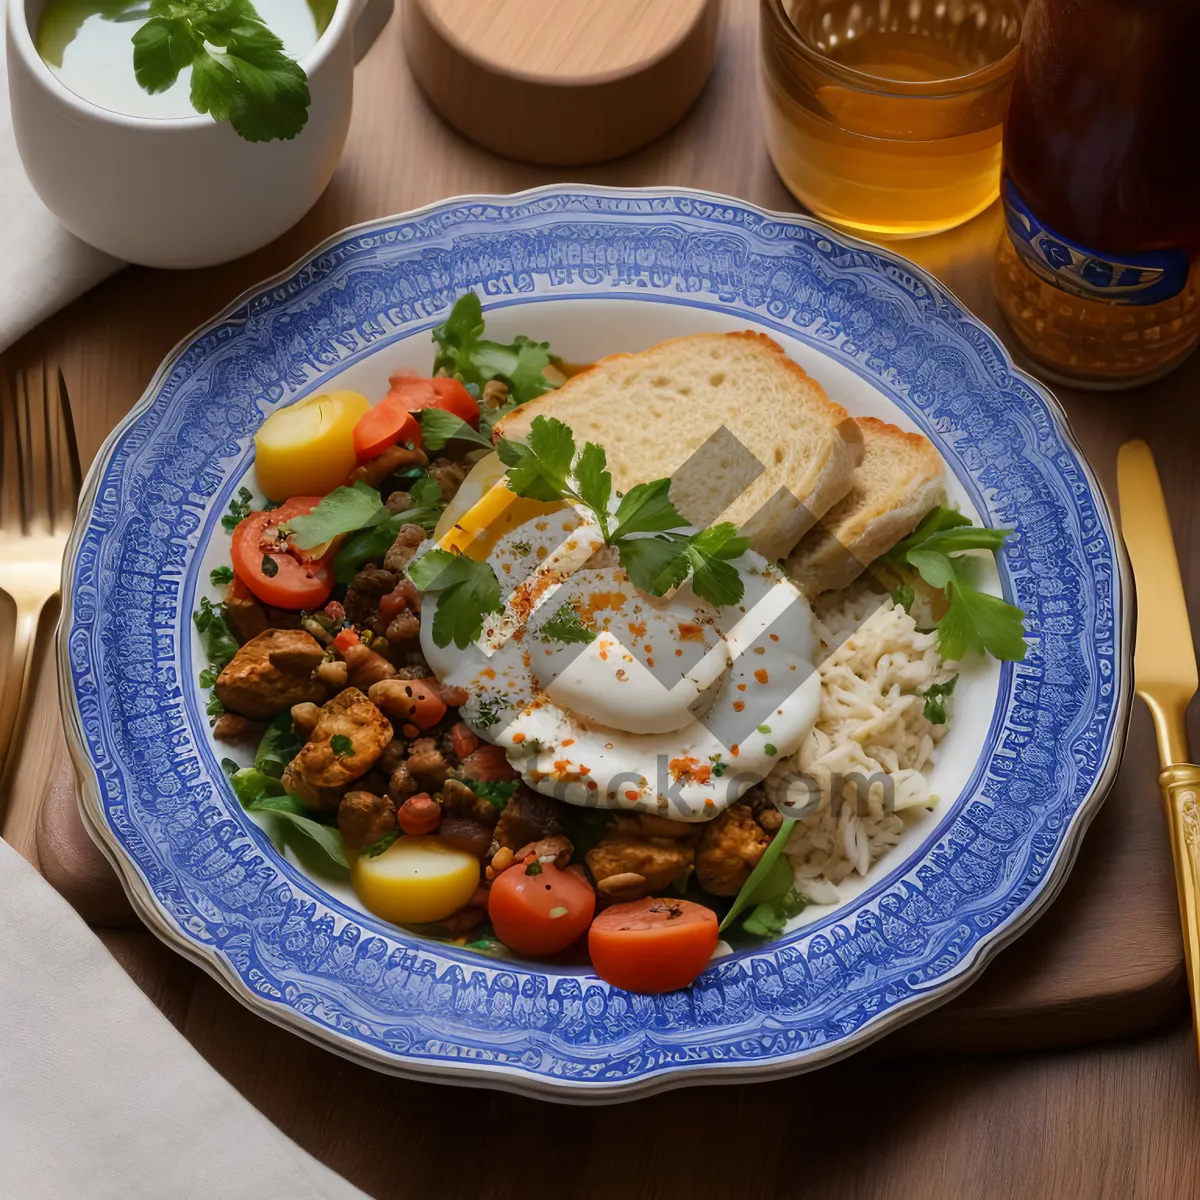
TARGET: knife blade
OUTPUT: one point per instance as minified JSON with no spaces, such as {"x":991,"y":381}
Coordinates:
{"x":1164,"y":661}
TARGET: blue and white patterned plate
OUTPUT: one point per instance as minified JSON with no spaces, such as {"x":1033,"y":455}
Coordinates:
{"x":595,"y":270}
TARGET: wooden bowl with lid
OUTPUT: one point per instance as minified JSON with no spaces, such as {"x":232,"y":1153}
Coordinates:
{"x":561,"y":82}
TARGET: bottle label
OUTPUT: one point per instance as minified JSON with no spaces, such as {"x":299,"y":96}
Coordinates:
{"x":1148,"y":277}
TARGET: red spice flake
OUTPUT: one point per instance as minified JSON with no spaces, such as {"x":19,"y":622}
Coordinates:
{"x":488,"y":673}
{"x":738,"y":705}
{"x":774,"y":637}
{"x":631,"y":795}
{"x":683,"y":768}
{"x":585,"y":770}
{"x":518,"y":738}
{"x":678,"y":653}
{"x":741,"y":687}
{"x":735,"y":750}
{"x":568,"y":741}
{"x":542,"y":552}
{"x":650,"y":662}
{"x":703,"y":773}
{"x":689,"y":631}
{"x":637,"y":628}
{"x":761,"y":675}
{"x":562,"y":766}
{"x":760,"y":649}
{"x":709,"y":804}
{"x":592,"y":785}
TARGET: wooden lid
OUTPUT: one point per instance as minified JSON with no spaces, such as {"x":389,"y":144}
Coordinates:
{"x":561,"y":81}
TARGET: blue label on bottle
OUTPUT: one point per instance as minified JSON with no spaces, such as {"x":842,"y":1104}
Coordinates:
{"x":1144,"y":278}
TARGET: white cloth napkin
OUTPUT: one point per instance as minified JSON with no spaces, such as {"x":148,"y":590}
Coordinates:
{"x":42,"y":266}
{"x":100,"y":1097}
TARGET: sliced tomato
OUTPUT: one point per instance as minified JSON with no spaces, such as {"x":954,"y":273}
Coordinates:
{"x":297,"y":582}
{"x":439,"y":392}
{"x":383,"y":426}
{"x":652,"y":945}
{"x":536,"y":909}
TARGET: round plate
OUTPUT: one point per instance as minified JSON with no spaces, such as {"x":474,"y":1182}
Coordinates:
{"x":1045,"y":746}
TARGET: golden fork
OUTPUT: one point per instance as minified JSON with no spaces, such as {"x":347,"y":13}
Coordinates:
{"x":1164,"y":670}
{"x":39,"y":493}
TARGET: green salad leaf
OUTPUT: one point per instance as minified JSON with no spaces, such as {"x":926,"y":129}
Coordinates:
{"x":439,"y":427}
{"x":770,"y":918}
{"x":770,"y":878}
{"x":935,"y":700}
{"x":219,"y":644}
{"x":344,"y":510}
{"x":240,"y":72}
{"x":464,"y":353}
{"x":239,"y":509}
{"x":279,"y":745}
{"x":564,"y":625}
{"x":371,"y":544}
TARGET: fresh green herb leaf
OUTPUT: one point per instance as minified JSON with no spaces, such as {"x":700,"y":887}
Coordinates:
{"x":279,"y":745}
{"x":208,"y":677}
{"x":376,"y":848}
{"x":239,"y":509}
{"x":341,"y":746}
{"x":468,"y":589}
{"x":709,"y":553}
{"x":539,"y":468}
{"x":487,"y":713}
{"x":214,"y":707}
{"x":372,"y":543}
{"x":718,"y":766}
{"x":933,"y":567}
{"x":595,"y":482}
{"x":425,"y":492}
{"x":220,"y":576}
{"x":344,"y":510}
{"x":565,"y":626}
{"x":240,"y":72}
{"x":498,"y":792}
{"x":463,"y":352}
{"x":647,"y":508}
{"x":767,"y":879}
{"x":534,"y":868}
{"x":270,"y":568}
{"x":904,"y":596}
{"x":764,"y":728}
{"x":935,"y":700}
{"x":326,"y":837}
{"x":976,"y":621}
{"x":655,"y":564}
{"x":769,"y":748}
{"x":219,"y":644}
{"x":250,"y":785}
{"x":770,"y":918}
{"x":933,"y":522}
{"x":439,"y":427}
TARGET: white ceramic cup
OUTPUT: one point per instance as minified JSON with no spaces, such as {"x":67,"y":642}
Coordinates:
{"x":182,"y":192}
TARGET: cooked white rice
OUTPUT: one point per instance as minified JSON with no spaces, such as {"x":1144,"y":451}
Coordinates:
{"x":871,"y":724}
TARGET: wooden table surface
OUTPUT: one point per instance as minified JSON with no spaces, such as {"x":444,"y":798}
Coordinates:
{"x":1102,"y":1120}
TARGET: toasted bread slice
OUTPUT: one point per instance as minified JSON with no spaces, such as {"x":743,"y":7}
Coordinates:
{"x":681,"y":408}
{"x":900,"y":479}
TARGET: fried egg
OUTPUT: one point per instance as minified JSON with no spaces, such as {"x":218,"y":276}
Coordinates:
{"x":604,"y":696}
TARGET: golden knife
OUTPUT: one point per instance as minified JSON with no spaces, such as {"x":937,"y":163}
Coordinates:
{"x":1164,"y":671}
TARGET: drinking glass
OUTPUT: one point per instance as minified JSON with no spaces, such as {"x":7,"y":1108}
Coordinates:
{"x":883,"y":117}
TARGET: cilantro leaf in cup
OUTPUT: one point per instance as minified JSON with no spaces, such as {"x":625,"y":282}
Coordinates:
{"x":464,"y":353}
{"x":240,"y":72}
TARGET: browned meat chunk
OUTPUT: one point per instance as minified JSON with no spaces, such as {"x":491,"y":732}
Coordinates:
{"x":427,"y":764}
{"x":729,"y":850}
{"x":658,"y":860}
{"x":243,"y":613}
{"x":364,"y":593}
{"x":364,"y":818}
{"x":401,"y":785}
{"x":460,"y":801}
{"x":348,"y":739}
{"x":364,"y":667}
{"x":464,"y":834}
{"x":271,"y":672}
{"x":398,"y":502}
{"x":408,"y":540}
{"x":393,"y":459}
{"x":528,"y":817}
{"x":448,"y":475}
{"x":238,"y":731}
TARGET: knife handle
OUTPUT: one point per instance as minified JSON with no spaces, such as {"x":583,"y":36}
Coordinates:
{"x":1180,"y":786}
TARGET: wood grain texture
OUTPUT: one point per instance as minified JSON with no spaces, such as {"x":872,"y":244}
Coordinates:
{"x":561,"y":81}
{"x":1111,"y":1120}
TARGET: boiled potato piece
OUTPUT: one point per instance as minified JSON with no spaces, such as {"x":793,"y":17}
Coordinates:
{"x":307,"y":449}
{"x":416,"y":879}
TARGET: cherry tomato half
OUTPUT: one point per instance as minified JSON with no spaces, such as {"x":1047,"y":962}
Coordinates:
{"x":439,"y":392}
{"x":383,"y":426}
{"x":540,"y":913}
{"x":297,"y":581}
{"x":652,"y":945}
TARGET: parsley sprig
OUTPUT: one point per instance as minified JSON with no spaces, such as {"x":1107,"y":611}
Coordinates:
{"x":467,"y":590}
{"x":240,"y":72}
{"x":973,"y":621}
{"x":646,"y":527}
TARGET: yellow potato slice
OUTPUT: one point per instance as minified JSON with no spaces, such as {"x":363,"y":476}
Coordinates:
{"x":307,"y":449}
{"x":416,"y":879}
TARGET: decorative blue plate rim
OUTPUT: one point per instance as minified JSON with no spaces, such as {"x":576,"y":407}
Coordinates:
{"x":208,"y":886}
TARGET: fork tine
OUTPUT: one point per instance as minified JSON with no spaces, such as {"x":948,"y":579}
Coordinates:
{"x":74,"y":474}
